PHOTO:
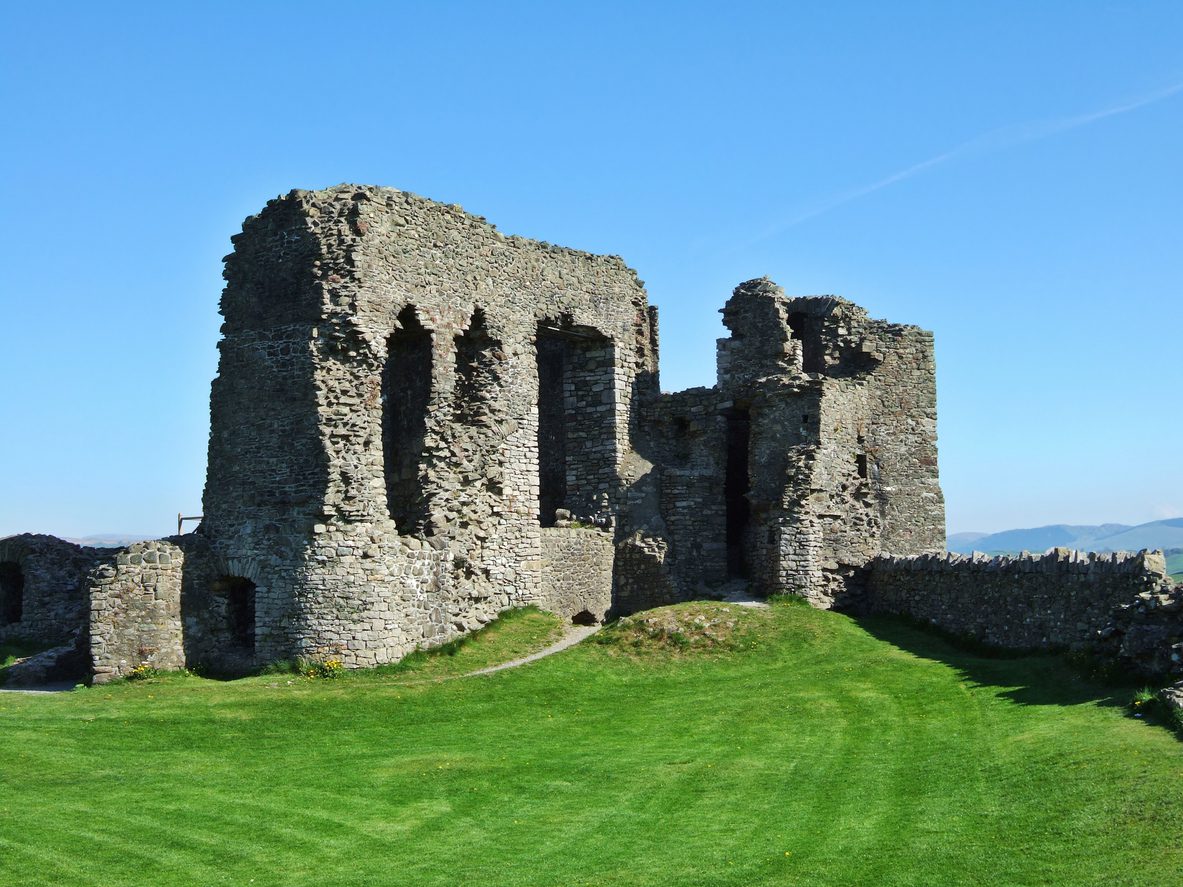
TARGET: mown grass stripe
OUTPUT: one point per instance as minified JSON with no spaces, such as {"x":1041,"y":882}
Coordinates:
{"x":869,"y":752}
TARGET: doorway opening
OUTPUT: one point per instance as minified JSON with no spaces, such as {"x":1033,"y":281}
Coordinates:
{"x":736,"y":486}
{"x":240,"y":611}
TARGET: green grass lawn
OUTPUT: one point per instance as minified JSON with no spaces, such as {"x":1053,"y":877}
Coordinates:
{"x":789,"y":747}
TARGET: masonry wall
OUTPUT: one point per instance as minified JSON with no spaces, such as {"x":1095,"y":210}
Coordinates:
{"x":1119,"y":604}
{"x":410,"y":406}
{"x":689,"y":441}
{"x":135,"y":611}
{"x":317,"y":285}
{"x":43,"y":598}
{"x":577,"y":572}
{"x":842,"y":438}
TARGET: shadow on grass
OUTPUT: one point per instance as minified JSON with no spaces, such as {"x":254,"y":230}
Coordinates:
{"x":1028,"y":678}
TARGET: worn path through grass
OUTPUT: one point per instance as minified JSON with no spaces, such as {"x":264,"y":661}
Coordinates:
{"x":789,"y":747}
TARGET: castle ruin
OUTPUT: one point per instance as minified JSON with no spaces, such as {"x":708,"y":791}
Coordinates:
{"x":419,"y":422}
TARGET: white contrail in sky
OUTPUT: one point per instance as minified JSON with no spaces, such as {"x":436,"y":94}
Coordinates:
{"x":994,"y":140}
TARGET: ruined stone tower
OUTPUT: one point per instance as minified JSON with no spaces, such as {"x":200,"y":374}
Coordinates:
{"x":419,"y":422}
{"x":406,"y":398}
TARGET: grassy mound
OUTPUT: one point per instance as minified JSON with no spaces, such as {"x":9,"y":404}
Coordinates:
{"x":686,"y":629}
{"x":834,"y":752}
{"x":514,"y":634}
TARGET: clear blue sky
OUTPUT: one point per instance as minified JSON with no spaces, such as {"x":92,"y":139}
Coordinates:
{"x":1006,"y":174}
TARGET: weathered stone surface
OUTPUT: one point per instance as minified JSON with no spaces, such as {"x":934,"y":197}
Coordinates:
{"x":1121,"y":606}
{"x":815,"y":451}
{"x":419,"y":422}
{"x":577,"y":572}
{"x":43,"y":588}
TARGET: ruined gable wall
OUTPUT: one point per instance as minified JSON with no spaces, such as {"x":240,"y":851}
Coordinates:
{"x":347,"y":580}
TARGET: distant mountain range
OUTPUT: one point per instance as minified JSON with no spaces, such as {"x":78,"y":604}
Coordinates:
{"x":110,"y":540}
{"x":1162,"y":534}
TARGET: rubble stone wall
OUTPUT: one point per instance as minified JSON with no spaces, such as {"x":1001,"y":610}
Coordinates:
{"x":316,"y":286}
{"x":1120,"y":604}
{"x":577,"y":572}
{"x":43,"y":598}
{"x":688,"y":431}
{"x":842,"y":438}
{"x":406,"y":402}
{"x":135,"y":611}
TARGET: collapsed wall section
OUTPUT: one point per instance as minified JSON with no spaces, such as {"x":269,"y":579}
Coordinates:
{"x":1120,"y":605}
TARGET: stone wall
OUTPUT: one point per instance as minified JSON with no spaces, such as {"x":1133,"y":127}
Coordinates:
{"x":407,"y":400}
{"x":135,"y":611}
{"x":43,"y":587}
{"x":838,"y":414}
{"x":323,"y":289}
{"x":688,"y":431}
{"x":577,"y":572}
{"x":1119,"y":604}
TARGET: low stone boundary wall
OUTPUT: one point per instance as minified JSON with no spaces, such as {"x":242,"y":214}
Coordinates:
{"x":577,"y":571}
{"x":1118,"y":604}
{"x":135,"y":611}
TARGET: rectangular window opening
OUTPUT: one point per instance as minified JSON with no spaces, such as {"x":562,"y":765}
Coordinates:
{"x":808,"y":330}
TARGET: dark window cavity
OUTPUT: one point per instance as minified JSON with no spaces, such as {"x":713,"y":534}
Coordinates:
{"x":476,"y":372}
{"x":12,"y":593}
{"x":808,"y":330}
{"x":406,"y":390}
